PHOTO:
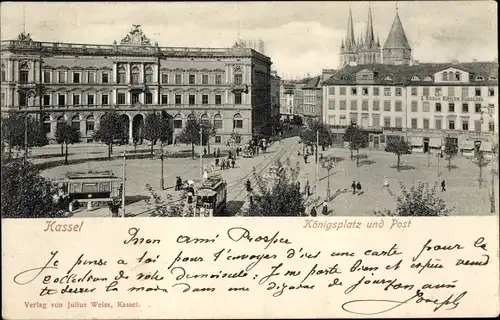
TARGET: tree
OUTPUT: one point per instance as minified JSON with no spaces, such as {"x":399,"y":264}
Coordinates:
{"x":280,"y":197}
{"x":481,"y":162}
{"x":190,"y":134}
{"x":66,"y":135}
{"x":450,"y":150}
{"x":208,"y":132}
{"x":25,"y":194}
{"x":110,"y":129}
{"x":156,"y":128}
{"x":398,"y":147}
{"x":13,"y":132}
{"x":419,"y":201}
{"x":168,"y":206}
{"x":356,"y":139}
{"x":324,"y":134}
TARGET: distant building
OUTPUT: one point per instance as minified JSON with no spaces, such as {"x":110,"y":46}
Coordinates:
{"x":275,"y":94}
{"x":313,"y":97}
{"x":287,"y":98}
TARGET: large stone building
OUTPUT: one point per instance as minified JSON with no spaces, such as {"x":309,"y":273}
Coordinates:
{"x":275,"y":94}
{"x":313,"y":99}
{"x":78,"y":83}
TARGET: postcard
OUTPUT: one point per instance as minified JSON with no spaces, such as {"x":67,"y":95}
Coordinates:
{"x":249,"y":160}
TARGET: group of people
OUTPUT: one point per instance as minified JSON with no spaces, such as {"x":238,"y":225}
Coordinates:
{"x":324,"y":210}
{"x":356,"y":187}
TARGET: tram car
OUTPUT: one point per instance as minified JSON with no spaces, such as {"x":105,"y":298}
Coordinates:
{"x":95,"y":186}
{"x":211,"y":197}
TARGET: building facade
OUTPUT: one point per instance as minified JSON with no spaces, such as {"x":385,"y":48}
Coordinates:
{"x":313,"y":97}
{"x":287,"y":98}
{"x":78,"y":83}
{"x":275,"y":94}
{"x":422,"y":103}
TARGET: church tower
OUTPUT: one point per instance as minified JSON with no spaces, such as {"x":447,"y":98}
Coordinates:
{"x":370,"y":51}
{"x":348,"y":48}
{"x":396,"y":48}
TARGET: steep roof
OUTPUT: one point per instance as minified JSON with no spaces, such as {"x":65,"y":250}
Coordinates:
{"x":397,"y":36}
{"x":313,"y":83}
{"x":402,"y":74}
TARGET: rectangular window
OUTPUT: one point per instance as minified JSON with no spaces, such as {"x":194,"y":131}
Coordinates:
{"x":105,"y":77}
{"x":46,"y":100}
{"x":192,"y":79}
{"x":451,"y":91}
{"x":121,"y":98}
{"x":426,"y":123}
{"x":457,"y":76}
{"x":135,"y":77}
{"x":342,"y":105}
{"x":149,"y":98}
{"x":439,"y":124}
{"x":237,"y":98}
{"x":331,"y":91}
{"x":465,"y":107}
{"x":204,"y":99}
{"x":164,"y":99}
{"x":178,"y":99}
{"x":414,"y":91}
{"x":364,"y":91}
{"x":90,"y":99}
{"x":148,"y":78}
{"x":76,"y":99}
{"x":354,"y":105}
{"x":192,"y":99}
{"x":465,"y":91}
{"x":76,"y":77}
{"x":122,"y":77}
{"x":437,"y":91}
{"x":61,"y":77}
{"x":237,"y":124}
{"x":178,"y":124}
{"x":387,"y":91}
{"x":204,"y":79}
{"x":451,"y":107}
{"x":387,"y":122}
{"x":342,"y":91}
{"x":438,"y":106}
{"x":451,"y":124}
{"x":477,"y":125}
{"x":491,"y":92}
{"x":218,"y":79}
{"x":218,"y":99}
{"x":426,"y":91}
{"x":331,"y":104}
{"x":91,"y":77}
{"x":104,"y":99}
{"x":354,"y":91}
{"x":376,"y":91}
{"x":399,"y":106}
{"x":47,"y":76}
{"x":465,"y":125}
{"x":491,"y":126}
{"x":414,"y":106}
{"x":61,"y":100}
{"x":218,"y":139}
{"x":23,"y":76}
{"x":178,"y":79}
{"x":331,"y":120}
{"x":164,"y":78}
{"x":376,"y":121}
{"x":387,"y":105}
{"x":414,"y":123}
{"x":477,"y":92}
{"x":364,"y":105}
{"x":135,"y":98}
{"x":477,"y":108}
{"x":399,"y":92}
{"x":399,"y":122}
{"x":342,"y":120}
{"x":376,"y":105}
{"x":426,"y":106}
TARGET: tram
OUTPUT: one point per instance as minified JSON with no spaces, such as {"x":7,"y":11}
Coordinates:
{"x":95,"y":186}
{"x":211,"y":197}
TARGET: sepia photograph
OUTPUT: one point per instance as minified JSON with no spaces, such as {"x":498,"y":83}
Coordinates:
{"x":246,"y":109}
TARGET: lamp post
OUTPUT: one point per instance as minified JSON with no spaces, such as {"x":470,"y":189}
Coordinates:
{"x":201,"y":152}
{"x":123,"y":181}
{"x":26,"y":135}
{"x":328,"y":164}
{"x":162,"y":182}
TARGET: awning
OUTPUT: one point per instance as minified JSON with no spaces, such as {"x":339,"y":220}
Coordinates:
{"x":485,"y":146}
{"x":467,"y":145}
{"x":435,"y":142}
{"x":416,"y":141}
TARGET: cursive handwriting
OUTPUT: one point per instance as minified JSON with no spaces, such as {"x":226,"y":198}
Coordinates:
{"x":437,"y":247}
{"x":18,"y":278}
{"x":238,"y":233}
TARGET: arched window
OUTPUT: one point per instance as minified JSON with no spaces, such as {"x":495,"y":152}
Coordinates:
{"x":238,"y":76}
{"x":415,"y":78}
{"x":89,"y":124}
{"x":24,"y":72}
{"x":427,"y":79}
{"x":218,"y":121}
{"x":387,"y":79}
{"x":135,"y":75}
{"x":191,"y":118}
{"x":205,"y":120}
{"x":493,"y":78}
{"x":479,"y":78}
{"x":61,"y":119}
{"x":46,"y":124}
{"x":457,"y":76}
{"x":122,"y":75}
{"x":4,"y":76}
{"x":148,"y":75}
{"x":445,"y":76}
{"x":237,"y":121}
{"x":178,"y":121}
{"x":75,"y":122}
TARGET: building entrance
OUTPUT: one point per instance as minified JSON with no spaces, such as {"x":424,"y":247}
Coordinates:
{"x":426,"y":144}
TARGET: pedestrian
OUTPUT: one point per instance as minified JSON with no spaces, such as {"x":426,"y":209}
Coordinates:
{"x":216,"y":162}
{"x":223,"y":164}
{"x":218,"y":153}
{"x":233,"y":162}
{"x":313,"y":212}
{"x":215,"y":154}
{"x":325,"y":208}
{"x":386,"y":182}
{"x":212,"y":167}
{"x":298,"y":186}
{"x":204,"y":152}
{"x":305,"y":158}
{"x":308,"y":189}
{"x":238,"y":151}
{"x":205,"y":174}
{"x":353,"y":186}
{"x":178,"y":184}
{"x":248,"y":185}
{"x":443,"y":186}
{"x":358,"y":186}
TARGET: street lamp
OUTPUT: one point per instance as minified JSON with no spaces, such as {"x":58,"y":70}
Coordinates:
{"x":201,"y":152}
{"x":123,"y":181}
{"x":328,"y":163}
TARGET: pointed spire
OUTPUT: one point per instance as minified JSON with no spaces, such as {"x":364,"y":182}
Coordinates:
{"x":370,"y":37}
{"x":378,"y":40}
{"x":397,"y":36}
{"x":342,"y":44}
{"x":350,"y":42}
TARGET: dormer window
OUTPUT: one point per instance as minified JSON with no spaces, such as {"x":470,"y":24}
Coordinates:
{"x":343,"y":77}
{"x":445,"y":76}
{"x":415,"y":78}
{"x":479,"y":78}
{"x":493,"y":78}
{"x":457,"y":76}
{"x":427,"y":79}
{"x":387,"y":79}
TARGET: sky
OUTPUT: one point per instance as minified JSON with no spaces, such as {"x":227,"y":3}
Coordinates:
{"x":300,"y":37}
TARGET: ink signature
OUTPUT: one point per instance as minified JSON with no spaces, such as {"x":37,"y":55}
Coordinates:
{"x":375,"y":306}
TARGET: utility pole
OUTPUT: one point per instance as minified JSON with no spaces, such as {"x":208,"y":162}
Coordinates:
{"x":492,"y":201}
{"x":123,"y":181}
{"x":162,"y":182}
{"x":317,"y":164}
{"x":201,"y":152}
{"x":26,"y":134}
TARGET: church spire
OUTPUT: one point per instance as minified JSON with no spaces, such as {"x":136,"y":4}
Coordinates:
{"x":350,"y":42}
{"x":397,"y":36}
{"x":370,"y":36}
